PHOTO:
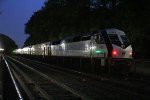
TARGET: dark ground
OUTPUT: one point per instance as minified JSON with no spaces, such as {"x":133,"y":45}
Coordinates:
{"x":0,"y":81}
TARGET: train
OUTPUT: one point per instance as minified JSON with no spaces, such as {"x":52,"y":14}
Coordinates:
{"x":108,"y":47}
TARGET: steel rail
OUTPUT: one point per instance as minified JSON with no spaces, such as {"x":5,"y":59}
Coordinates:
{"x":13,"y":79}
{"x":41,"y":91}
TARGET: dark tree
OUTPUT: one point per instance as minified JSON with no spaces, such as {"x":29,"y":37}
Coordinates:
{"x":7,"y":44}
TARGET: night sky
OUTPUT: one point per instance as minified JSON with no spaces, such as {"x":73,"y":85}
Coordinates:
{"x":15,"y":13}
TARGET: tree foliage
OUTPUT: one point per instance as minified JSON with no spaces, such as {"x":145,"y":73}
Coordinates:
{"x":59,"y":18}
{"x":7,"y":44}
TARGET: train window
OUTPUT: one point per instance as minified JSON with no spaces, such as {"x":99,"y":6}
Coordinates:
{"x":77,"y":39}
{"x":114,"y":39}
{"x":56,"y":42}
{"x":99,"y":39}
{"x":68,"y":40}
{"x":86,"y":38}
{"x":125,"y":40}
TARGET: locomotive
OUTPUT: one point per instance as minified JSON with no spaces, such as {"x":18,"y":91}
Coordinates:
{"x":108,"y":47}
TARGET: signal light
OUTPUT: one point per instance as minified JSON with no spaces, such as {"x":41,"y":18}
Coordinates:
{"x":114,"y":52}
{"x":99,"y":51}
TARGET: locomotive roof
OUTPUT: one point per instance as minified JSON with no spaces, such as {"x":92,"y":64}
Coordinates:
{"x":109,"y":31}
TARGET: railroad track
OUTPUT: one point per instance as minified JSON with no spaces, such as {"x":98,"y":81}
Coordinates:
{"x":103,"y":89}
{"x":39,"y":86}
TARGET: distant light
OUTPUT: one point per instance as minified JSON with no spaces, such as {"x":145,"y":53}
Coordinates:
{"x":19,"y":50}
{"x":26,"y":49}
{"x":1,"y":49}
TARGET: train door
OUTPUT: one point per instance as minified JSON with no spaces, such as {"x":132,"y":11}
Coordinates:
{"x":100,"y":50}
{"x":87,"y":46}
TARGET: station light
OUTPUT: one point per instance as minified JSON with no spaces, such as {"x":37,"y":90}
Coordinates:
{"x":1,"y":49}
{"x":26,"y":49}
{"x":18,"y":50}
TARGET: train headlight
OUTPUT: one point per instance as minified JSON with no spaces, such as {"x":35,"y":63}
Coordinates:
{"x":130,"y":53}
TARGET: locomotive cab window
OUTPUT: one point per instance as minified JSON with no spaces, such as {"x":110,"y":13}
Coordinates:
{"x":125,"y":40}
{"x":114,"y":39}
